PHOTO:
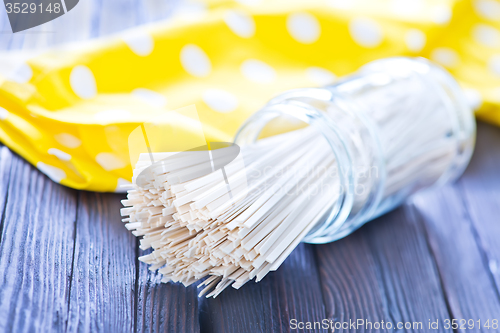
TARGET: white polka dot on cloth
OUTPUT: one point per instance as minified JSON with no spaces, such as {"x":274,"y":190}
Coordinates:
{"x":59,"y":154}
{"x":441,"y":14}
{"x":82,"y":82}
{"x":258,"y":71}
{"x":110,"y":116}
{"x":320,"y":76}
{"x":240,"y":23}
{"x":366,"y":32}
{"x":445,"y":56}
{"x":220,"y":100}
{"x":473,"y":97}
{"x":21,"y":74}
{"x":195,"y":61}
{"x":120,"y":186}
{"x":303,"y":27}
{"x":494,"y":64}
{"x":488,"y":9}
{"x":109,"y":161}
{"x":52,"y":172}
{"x":3,"y":113}
{"x":415,"y":40}
{"x":486,"y":35}
{"x":68,"y":140}
{"x":140,"y":42}
{"x":150,"y":97}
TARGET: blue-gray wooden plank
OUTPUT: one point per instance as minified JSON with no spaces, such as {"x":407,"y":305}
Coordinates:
{"x":164,"y":307}
{"x":68,"y":264}
{"x":463,"y":267}
{"x":481,"y":193}
{"x":103,"y":273}
{"x":36,"y":249}
{"x":292,"y":292}
{"x":382,"y":273}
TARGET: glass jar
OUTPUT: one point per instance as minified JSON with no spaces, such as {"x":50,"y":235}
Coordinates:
{"x":395,"y":127}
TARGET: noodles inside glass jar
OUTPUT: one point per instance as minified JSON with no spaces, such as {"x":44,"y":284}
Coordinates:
{"x":313,"y":165}
{"x":360,"y":147}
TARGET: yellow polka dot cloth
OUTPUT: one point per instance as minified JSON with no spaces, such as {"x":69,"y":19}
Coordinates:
{"x":69,"y":111}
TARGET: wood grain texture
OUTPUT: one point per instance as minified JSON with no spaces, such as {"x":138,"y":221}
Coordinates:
{"x":481,"y":192}
{"x":293,"y":291}
{"x":349,"y":280}
{"x":165,"y":307}
{"x":407,"y":268}
{"x":36,"y":250}
{"x":467,"y":283}
{"x":382,"y":272}
{"x":68,"y":264}
{"x":103,"y":272}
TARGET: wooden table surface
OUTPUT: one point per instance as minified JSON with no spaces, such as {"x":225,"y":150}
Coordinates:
{"x":67,"y":263}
